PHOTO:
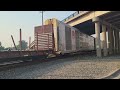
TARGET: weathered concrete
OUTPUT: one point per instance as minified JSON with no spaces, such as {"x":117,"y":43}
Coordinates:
{"x":116,"y":41}
{"x":97,"y":40}
{"x":105,"y":52}
{"x":110,"y":41}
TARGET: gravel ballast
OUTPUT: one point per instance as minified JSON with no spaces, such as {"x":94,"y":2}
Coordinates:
{"x":78,"y":67}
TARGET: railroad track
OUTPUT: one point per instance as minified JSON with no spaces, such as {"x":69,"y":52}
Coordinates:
{"x":21,"y":61}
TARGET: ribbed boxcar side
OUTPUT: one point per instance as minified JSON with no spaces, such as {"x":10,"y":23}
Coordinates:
{"x":55,"y":31}
{"x":61,"y":37}
{"x":77,"y":40}
{"x":43,"y":37}
{"x":73,"y":39}
{"x":86,"y":42}
{"x":67,"y":38}
{"x":91,"y":43}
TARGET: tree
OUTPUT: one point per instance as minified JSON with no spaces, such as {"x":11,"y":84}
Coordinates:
{"x":1,"y":47}
{"x":0,"y":44}
{"x":24,"y":45}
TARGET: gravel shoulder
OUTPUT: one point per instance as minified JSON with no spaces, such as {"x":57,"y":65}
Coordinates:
{"x":79,"y":67}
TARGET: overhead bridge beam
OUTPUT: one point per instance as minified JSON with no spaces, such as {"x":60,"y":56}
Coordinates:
{"x":112,"y":16}
{"x":85,"y":17}
{"x":105,"y":23}
{"x":113,"y":20}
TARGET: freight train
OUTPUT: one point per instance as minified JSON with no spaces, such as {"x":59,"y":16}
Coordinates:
{"x":54,"y":38}
{"x":61,"y":38}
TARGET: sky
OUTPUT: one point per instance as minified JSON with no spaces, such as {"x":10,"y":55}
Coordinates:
{"x":12,"y":21}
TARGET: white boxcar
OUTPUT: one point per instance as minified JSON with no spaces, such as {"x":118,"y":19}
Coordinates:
{"x":68,"y":39}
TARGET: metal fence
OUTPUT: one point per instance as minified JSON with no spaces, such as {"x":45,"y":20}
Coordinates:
{"x":73,"y":15}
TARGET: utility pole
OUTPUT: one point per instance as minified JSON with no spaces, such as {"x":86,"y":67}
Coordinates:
{"x":20,"y":40}
{"x":42,"y":20}
{"x":14,"y":42}
{"x":29,"y":42}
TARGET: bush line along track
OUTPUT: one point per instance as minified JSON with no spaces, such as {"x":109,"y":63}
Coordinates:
{"x":6,"y":62}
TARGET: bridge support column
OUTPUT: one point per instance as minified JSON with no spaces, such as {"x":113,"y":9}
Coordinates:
{"x":97,"y":40}
{"x":119,"y":42}
{"x":115,"y":33}
{"x":114,"y":51}
{"x":116,"y":41}
{"x":110,"y":41}
{"x":105,"y":52}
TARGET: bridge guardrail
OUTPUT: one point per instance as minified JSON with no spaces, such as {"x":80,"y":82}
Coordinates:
{"x":74,"y":14}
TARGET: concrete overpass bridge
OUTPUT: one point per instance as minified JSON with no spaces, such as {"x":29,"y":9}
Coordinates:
{"x":96,"y":22}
